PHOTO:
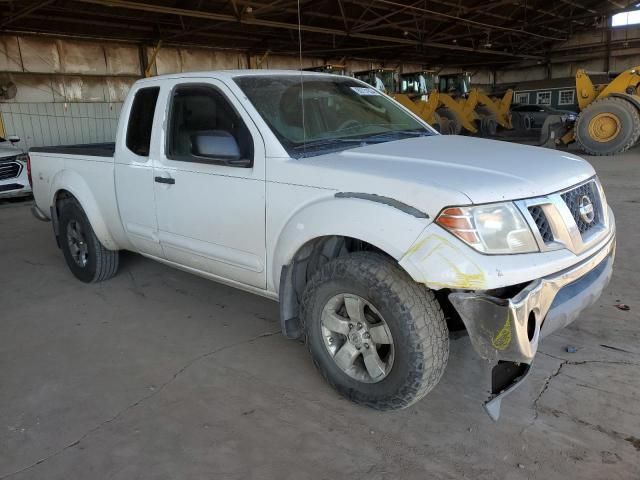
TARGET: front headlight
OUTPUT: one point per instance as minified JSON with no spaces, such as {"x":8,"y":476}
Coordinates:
{"x":494,"y":228}
{"x":22,"y":158}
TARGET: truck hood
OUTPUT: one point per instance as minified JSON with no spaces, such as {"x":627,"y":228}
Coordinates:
{"x":432,"y":172}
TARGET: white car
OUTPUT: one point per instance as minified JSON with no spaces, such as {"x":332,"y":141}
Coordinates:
{"x":376,"y":235}
{"x":14,"y":177}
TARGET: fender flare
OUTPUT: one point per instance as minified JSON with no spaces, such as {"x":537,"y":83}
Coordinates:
{"x":384,"y":226}
{"x":73,"y":183}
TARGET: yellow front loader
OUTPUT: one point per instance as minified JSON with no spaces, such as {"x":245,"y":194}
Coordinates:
{"x":609,"y":119}
{"x":459,"y":109}
{"x":493,"y":111}
{"x":448,"y":115}
{"x":425,"y":109}
{"x":459,"y":112}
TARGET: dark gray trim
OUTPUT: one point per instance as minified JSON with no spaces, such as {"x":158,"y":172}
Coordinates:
{"x":54,"y":222}
{"x":289,"y":307}
{"x":403,"y":207}
{"x":36,"y":212}
{"x":89,"y":149}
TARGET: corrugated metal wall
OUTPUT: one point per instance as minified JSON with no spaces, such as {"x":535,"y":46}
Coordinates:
{"x":67,"y":91}
{"x":39,"y":124}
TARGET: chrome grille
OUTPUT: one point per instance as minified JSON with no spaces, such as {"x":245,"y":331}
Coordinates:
{"x":542,"y":223}
{"x":573,"y":198}
{"x":9,"y":170}
{"x":557,"y":221}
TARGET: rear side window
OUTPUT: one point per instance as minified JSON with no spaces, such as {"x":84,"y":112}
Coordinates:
{"x":141,"y":120}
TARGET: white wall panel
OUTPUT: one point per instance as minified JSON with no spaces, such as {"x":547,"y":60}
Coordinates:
{"x":122,"y":59}
{"x":167,"y":61}
{"x":10,"y":59}
{"x":82,"y":57}
{"x":40,"y":55}
{"x":39,"y":124}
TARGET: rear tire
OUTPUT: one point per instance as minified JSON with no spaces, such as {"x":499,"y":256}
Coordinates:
{"x":87,"y":258}
{"x":453,"y":126}
{"x":400,"y":351}
{"x":437,"y":123}
{"x":608,"y":126}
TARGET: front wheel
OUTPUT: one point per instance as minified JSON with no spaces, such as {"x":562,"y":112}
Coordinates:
{"x":608,"y":126}
{"x":87,"y":258}
{"x":379,"y":338}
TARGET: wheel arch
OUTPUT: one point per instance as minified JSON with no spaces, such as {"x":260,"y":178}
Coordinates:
{"x":69,"y":184}
{"x":309,"y":240}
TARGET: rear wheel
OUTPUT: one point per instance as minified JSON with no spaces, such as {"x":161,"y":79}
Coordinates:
{"x":488,"y":121}
{"x":488,"y":125}
{"x":454,"y":127}
{"x":378,"y":337}
{"x":437,"y":122}
{"x":608,"y":126}
{"x":86,"y":257}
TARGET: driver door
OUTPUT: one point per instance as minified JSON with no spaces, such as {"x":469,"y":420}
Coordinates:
{"x":211,"y":213}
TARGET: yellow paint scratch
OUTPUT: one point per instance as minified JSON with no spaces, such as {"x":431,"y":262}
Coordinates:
{"x":503,"y":337}
{"x":416,"y":247}
{"x":452,"y":257}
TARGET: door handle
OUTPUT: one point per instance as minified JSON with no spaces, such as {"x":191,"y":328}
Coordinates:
{"x":167,"y":180}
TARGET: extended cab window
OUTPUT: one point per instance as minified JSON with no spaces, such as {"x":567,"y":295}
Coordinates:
{"x":203,"y":110}
{"x":141,"y":120}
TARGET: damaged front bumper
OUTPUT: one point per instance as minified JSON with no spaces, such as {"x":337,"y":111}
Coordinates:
{"x":506,"y":331}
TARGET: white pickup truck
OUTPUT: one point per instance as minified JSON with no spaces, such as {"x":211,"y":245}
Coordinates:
{"x":377,"y":235}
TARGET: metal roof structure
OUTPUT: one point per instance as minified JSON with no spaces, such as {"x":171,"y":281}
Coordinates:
{"x":431,"y":32}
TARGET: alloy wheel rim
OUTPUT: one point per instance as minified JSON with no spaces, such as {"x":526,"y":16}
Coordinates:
{"x":357,"y":338}
{"x":77,"y":243}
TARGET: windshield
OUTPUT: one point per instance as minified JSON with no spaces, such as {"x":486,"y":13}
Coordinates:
{"x":339,"y":113}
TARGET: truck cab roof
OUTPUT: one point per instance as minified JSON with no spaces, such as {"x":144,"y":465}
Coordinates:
{"x":230,"y":74}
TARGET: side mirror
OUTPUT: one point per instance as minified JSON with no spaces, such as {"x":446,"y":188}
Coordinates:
{"x":218,"y":145}
{"x":13,"y":138}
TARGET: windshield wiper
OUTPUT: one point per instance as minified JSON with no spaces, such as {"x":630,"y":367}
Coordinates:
{"x":324,"y":142}
{"x":394,"y":133}
{"x":381,"y":137}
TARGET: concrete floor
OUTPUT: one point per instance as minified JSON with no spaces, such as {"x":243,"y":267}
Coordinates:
{"x":160,"y":374}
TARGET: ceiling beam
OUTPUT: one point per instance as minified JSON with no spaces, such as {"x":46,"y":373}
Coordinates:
{"x":470,"y":22}
{"x":24,"y":12}
{"x":134,"y":5}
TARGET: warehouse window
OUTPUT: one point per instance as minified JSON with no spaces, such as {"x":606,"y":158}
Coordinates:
{"x":543,"y":98}
{"x":566,"y":97}
{"x":522,"y":97}
{"x":625,"y":18}
{"x":141,"y":121}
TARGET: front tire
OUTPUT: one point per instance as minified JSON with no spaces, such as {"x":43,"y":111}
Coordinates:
{"x":378,"y":338}
{"x":87,"y":258}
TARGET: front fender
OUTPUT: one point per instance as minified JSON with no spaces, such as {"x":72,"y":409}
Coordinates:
{"x":73,"y":183}
{"x":388,"y":228}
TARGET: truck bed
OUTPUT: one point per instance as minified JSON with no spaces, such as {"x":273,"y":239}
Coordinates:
{"x":89,"y":149}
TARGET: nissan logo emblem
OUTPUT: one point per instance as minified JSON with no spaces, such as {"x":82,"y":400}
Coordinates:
{"x":585,"y":205}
